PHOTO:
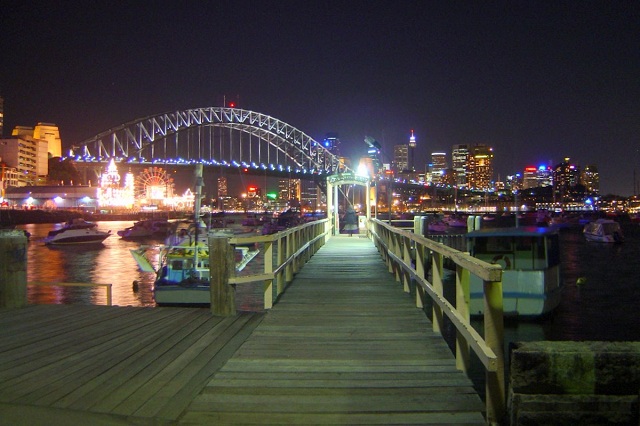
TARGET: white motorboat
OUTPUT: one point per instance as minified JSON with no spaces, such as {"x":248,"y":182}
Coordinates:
{"x":603,"y":231}
{"x":77,"y":231}
{"x":530,"y":259}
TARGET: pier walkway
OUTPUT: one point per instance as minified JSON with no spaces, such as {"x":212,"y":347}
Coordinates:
{"x":343,"y":344}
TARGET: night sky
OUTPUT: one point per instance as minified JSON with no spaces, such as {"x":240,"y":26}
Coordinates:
{"x":537,"y":80}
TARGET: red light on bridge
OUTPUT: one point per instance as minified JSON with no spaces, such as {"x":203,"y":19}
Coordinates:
{"x":232,"y":104}
{"x":252,"y":189}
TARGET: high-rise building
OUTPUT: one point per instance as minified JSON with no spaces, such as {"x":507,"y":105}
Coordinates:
{"x":309,"y":193}
{"x":591,"y":179}
{"x":42,"y":131}
{"x":438,"y":166}
{"x":460,"y":163}
{"x":565,"y":177}
{"x":222,"y":187}
{"x":411,"y":166}
{"x":400,"y":158}
{"x":545,"y":176}
{"x":530,"y":177}
{"x":289,"y":190}
{"x":480,"y":171}
{"x":28,"y":156}
{"x":331,"y":143}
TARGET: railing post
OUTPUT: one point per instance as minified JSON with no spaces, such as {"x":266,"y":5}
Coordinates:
{"x":406,"y":257}
{"x":109,"y":295}
{"x":221,"y":266}
{"x":282,"y":256}
{"x":494,"y":336}
{"x":268,"y":270}
{"x":462,"y":306}
{"x":289,"y":251}
{"x":420,"y":271}
{"x":437,"y":270}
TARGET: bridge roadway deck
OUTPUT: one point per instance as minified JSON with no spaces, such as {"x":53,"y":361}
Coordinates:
{"x":344,"y":344}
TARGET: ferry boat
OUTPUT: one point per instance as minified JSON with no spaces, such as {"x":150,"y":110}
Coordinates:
{"x":77,"y":231}
{"x":530,"y":259}
{"x":603,"y":231}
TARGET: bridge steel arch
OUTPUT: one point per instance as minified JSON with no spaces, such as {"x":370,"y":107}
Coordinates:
{"x":211,"y":135}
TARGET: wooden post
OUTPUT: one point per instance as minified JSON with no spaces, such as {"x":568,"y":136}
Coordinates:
{"x":13,"y":269}
{"x":221,"y":265}
{"x":494,"y":336}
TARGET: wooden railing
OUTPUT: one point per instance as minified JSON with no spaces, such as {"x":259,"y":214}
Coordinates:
{"x":407,"y":256}
{"x":293,"y":248}
{"x":106,"y":286}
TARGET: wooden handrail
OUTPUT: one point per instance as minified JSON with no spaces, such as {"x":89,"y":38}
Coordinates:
{"x":295,"y":246}
{"x":395,"y":246}
{"x":106,"y":286}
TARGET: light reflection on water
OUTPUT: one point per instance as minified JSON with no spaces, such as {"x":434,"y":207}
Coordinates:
{"x":107,"y":263}
{"x":605,"y":307}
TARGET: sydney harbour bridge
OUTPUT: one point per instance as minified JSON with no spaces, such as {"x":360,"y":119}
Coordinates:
{"x":216,"y":136}
{"x":220,"y":137}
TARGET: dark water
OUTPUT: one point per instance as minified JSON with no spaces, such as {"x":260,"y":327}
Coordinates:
{"x":605,"y":307}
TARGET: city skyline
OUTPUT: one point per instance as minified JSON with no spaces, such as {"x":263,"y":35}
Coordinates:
{"x":537,"y":81}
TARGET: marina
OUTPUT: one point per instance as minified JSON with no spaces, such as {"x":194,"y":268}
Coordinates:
{"x":599,"y":299}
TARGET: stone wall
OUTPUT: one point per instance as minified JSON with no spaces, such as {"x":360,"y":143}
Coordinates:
{"x":574,"y":383}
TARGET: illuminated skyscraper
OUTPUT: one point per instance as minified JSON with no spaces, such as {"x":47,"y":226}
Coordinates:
{"x":222,"y":187}
{"x":412,"y":150}
{"x":460,"y":163}
{"x":530,"y":178}
{"x":331,"y":142}
{"x":591,"y":179}
{"x":480,"y":171}
{"x":400,"y":158}
{"x":438,"y":166}
{"x":565,"y":176}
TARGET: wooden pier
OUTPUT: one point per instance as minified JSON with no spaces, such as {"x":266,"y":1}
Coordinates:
{"x":344,"y":344}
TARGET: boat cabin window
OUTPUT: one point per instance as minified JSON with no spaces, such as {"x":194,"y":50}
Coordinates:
{"x":176,"y":265}
{"x":519,"y":253}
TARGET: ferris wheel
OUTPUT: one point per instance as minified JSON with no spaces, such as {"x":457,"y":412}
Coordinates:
{"x":154,"y":185}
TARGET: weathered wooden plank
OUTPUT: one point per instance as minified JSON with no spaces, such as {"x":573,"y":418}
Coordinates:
{"x":165,"y":383}
{"x":126,"y":364}
{"x":170,"y":402}
{"x":79,"y":357}
{"x":341,"y":347}
{"x":344,"y":344}
{"x":245,"y":417}
{"x":346,"y":402}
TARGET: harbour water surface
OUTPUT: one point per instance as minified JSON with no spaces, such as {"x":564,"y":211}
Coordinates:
{"x":601,"y":299}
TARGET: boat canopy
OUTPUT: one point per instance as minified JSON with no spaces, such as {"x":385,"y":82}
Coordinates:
{"x":526,"y":248}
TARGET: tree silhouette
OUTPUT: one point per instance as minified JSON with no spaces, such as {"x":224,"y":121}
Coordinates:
{"x":63,"y":172}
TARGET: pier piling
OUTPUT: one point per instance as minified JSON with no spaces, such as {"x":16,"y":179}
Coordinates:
{"x":13,"y":269}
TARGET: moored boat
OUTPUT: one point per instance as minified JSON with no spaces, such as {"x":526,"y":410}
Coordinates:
{"x":603,"y":231}
{"x":530,"y":259}
{"x":77,"y":231}
{"x":146,"y":229}
{"x":182,"y":277}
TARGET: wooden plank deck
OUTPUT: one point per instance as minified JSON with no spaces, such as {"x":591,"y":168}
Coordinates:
{"x":344,"y":344}
{"x":67,"y":365}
